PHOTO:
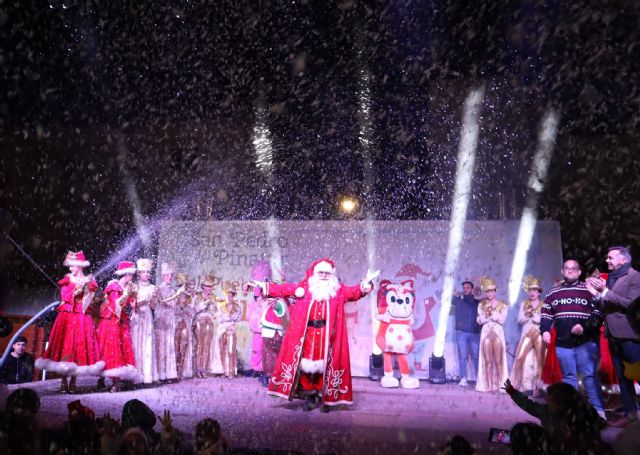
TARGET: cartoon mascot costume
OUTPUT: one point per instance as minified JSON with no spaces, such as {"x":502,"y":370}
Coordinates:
{"x":396,"y":303}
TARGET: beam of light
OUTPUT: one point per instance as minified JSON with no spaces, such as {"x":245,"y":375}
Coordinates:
{"x":461,"y":193}
{"x":365,"y":134}
{"x":276,"y":252}
{"x":174,"y":210}
{"x":261,"y":139}
{"x":541,"y":160}
{"x":132,"y":194}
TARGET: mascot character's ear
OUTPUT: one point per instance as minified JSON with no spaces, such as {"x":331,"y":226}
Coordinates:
{"x":382,"y":296}
{"x":408,"y":284}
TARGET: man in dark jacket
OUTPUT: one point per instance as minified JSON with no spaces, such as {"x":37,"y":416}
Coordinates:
{"x":18,"y":367}
{"x":467,"y":329}
{"x":615,"y":295}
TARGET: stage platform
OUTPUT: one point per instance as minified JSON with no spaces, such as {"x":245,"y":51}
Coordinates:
{"x":381,"y":421}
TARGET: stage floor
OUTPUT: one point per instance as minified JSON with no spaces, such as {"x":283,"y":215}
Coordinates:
{"x":381,"y":421}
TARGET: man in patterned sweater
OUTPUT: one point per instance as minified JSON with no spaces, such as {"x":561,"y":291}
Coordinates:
{"x":570,"y":308}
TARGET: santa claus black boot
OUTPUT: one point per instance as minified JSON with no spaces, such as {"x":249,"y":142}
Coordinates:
{"x":310,"y":403}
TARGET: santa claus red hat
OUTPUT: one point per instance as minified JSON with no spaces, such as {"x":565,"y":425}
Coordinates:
{"x":125,"y":267}
{"x":75,"y":259}
{"x":322,"y":265}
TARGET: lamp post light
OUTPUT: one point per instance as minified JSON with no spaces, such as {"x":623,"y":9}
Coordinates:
{"x":348,"y":205}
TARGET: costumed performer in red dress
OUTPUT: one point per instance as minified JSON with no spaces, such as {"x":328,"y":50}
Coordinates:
{"x":114,"y":333}
{"x":313,"y":362}
{"x":73,"y":345}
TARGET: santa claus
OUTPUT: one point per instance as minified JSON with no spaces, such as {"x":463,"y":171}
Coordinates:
{"x":313,"y":362}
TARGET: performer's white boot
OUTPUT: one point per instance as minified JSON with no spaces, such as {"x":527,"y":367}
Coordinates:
{"x":388,"y":380}
{"x":408,"y":382}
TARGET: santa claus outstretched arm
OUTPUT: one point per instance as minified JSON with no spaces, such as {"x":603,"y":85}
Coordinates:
{"x":276,"y":289}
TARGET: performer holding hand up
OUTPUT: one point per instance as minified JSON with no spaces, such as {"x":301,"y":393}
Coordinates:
{"x":314,"y":358}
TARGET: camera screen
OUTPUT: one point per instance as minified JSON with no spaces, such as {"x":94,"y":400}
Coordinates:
{"x":499,"y":436}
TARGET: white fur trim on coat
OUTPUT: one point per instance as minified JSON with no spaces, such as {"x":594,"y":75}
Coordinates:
{"x":70,"y":368}
{"x":127,"y":373}
{"x":71,"y":262}
{"x":62,"y":368}
{"x":312,"y":366}
{"x":91,"y":370}
{"x":126,"y":271}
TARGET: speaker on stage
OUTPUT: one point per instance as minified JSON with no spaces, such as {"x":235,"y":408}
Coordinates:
{"x":376,"y":367}
{"x":437,"y":370}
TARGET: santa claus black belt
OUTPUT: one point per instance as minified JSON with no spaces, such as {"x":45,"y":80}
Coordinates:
{"x":316,"y":323}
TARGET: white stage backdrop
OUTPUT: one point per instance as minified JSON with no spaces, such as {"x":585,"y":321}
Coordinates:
{"x":400,"y":249}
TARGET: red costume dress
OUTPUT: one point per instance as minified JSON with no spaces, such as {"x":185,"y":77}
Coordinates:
{"x":321,"y":344}
{"x":114,"y":335}
{"x":73,"y":345}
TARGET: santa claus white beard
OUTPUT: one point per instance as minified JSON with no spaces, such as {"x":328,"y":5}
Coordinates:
{"x":322,"y":290}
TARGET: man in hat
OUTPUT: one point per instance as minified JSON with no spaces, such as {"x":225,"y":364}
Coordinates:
{"x":570,"y":308}
{"x":313,"y":362}
{"x":615,"y":295}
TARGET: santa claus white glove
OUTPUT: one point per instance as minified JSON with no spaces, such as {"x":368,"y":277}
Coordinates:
{"x":259,"y":284}
{"x":367,"y":284}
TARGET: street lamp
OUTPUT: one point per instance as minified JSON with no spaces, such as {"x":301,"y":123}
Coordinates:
{"x":348,"y":205}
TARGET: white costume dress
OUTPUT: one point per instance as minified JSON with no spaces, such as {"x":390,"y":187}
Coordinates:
{"x":142,"y":333}
{"x":165,"y":330}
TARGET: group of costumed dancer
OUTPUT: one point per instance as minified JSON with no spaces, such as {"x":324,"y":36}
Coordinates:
{"x":145,"y":333}
{"x":180,"y":329}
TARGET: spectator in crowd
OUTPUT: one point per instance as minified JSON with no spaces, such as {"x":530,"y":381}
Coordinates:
{"x":209,"y":438}
{"x":528,"y":439}
{"x":19,"y":432}
{"x":570,"y":423}
{"x":18,"y":367}
{"x":457,"y":445}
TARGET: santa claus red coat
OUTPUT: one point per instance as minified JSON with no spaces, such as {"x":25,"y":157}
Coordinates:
{"x":337,"y":388}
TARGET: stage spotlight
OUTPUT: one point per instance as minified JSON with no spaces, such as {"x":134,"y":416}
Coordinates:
{"x":459,"y":204}
{"x":437,"y":370}
{"x":541,"y":160}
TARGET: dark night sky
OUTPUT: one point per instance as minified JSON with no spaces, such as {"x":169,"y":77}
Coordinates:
{"x":165,"y":94}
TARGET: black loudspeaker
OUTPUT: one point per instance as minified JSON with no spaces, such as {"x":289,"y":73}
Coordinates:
{"x":376,"y":367}
{"x":437,"y":370}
